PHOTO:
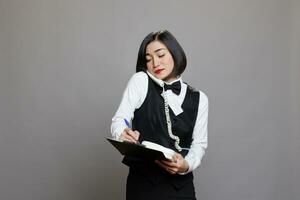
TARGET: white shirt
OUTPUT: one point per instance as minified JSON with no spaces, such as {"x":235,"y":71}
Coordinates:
{"x":134,"y":96}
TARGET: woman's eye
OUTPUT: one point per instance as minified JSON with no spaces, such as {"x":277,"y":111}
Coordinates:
{"x":162,"y":55}
{"x":148,"y":60}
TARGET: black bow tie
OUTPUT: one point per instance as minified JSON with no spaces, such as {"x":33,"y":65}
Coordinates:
{"x":175,"y":87}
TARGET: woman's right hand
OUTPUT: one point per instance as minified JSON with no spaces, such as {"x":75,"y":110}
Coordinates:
{"x":130,"y":135}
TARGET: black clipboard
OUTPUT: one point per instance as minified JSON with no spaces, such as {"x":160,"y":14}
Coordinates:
{"x":137,"y":150}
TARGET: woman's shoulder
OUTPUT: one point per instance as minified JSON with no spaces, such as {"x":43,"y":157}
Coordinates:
{"x":203,"y":96}
{"x":138,"y":81}
{"x":139,"y":77}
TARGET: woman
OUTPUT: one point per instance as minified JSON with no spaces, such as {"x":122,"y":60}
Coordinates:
{"x":161,"y":108}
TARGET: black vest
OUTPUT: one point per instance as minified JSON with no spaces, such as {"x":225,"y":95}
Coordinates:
{"x":150,"y":121}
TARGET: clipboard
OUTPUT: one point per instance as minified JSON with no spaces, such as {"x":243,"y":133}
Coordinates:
{"x":138,"y":150}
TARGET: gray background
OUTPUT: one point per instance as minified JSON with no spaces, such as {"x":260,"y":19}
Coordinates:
{"x":64,"y":66}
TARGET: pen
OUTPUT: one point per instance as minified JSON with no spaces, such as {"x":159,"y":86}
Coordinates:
{"x":127,"y":123}
{"x":129,"y":126}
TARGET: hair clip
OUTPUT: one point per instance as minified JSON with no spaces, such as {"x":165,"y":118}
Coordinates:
{"x":161,"y":31}
{"x":158,"y":33}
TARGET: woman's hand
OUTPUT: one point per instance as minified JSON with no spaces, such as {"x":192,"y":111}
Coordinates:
{"x":178,"y":165}
{"x":130,"y":135}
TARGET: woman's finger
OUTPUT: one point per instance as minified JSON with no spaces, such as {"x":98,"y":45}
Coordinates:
{"x":126,"y":136}
{"x":137,"y":135}
{"x":169,"y":169}
{"x":130,"y":135}
{"x":169,"y":163}
{"x":133,"y":134}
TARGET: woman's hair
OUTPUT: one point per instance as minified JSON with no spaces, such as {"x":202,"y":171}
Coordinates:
{"x":173,"y":46}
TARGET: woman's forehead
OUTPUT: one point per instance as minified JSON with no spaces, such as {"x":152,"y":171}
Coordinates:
{"x":155,"y":46}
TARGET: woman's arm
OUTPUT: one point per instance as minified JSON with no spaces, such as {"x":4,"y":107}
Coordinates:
{"x":199,"y":144}
{"x":133,"y":97}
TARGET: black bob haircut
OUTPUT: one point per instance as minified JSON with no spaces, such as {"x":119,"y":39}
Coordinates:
{"x":173,"y":46}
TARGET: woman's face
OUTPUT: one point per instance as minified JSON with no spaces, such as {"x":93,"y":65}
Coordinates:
{"x":160,"y":62}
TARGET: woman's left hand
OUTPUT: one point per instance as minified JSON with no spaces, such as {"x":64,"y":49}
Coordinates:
{"x":178,"y":165}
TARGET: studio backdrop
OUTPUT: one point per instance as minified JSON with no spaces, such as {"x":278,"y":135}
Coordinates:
{"x":65,"y":63}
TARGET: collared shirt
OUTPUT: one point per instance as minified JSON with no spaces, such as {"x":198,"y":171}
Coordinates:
{"x":134,"y":96}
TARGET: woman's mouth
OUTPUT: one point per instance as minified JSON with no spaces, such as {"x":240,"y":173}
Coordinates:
{"x":158,"y":71}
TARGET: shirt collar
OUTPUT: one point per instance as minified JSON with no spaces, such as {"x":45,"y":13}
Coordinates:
{"x":161,"y":82}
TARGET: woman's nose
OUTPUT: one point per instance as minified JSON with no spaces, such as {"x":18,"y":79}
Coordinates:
{"x":155,"y":62}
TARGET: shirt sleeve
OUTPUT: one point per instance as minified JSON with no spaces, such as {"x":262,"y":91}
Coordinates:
{"x":133,"y":97}
{"x":199,"y":143}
